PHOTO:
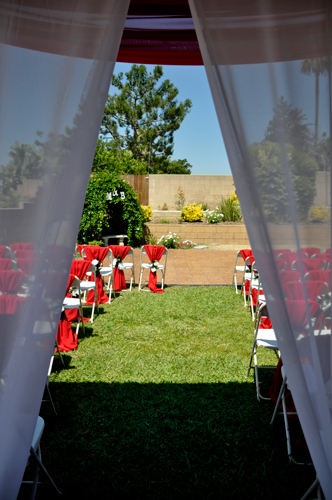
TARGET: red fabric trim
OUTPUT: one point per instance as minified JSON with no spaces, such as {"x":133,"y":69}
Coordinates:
{"x":154,"y":252}
{"x":119,"y":279}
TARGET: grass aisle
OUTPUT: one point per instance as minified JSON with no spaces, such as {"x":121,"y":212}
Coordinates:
{"x":155,"y":404}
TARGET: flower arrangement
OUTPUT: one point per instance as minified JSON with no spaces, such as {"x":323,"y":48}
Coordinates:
{"x":172,"y":240}
{"x":213,"y":216}
{"x":187,"y":244}
{"x":154,"y":266}
{"x":192,"y":213}
{"x":117,"y":262}
{"x":147,"y":210}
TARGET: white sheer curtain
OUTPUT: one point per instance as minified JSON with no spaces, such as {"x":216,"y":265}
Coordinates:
{"x":56,"y":64}
{"x":262,"y":60}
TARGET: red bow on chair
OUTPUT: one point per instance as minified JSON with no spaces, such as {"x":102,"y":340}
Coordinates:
{"x":119,"y":279}
{"x":154,"y":252}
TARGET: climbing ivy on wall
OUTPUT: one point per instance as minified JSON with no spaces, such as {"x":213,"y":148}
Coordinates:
{"x":111,"y":207}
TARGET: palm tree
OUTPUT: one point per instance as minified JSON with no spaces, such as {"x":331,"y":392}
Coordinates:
{"x":316,"y":66}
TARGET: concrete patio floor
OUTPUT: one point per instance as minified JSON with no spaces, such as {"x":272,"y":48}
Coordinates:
{"x":196,"y":267}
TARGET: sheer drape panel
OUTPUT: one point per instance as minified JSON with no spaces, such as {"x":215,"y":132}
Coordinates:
{"x":56,"y":64}
{"x":268,"y":67}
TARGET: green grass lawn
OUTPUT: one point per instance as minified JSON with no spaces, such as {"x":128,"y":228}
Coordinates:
{"x":155,"y":404}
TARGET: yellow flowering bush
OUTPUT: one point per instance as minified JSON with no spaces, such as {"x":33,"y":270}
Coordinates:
{"x":192,"y":213}
{"x":234,"y":199}
{"x":147,"y":209}
{"x":319,"y":214}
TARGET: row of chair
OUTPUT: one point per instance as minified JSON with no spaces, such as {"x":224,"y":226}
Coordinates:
{"x":313,"y":293}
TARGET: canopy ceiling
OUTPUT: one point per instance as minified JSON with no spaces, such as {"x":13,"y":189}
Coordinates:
{"x":162,"y":31}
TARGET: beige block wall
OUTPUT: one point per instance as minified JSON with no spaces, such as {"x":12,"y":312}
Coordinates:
{"x":197,"y":188}
{"x":223,"y":234}
{"x":323,"y":192}
{"x":210,"y":188}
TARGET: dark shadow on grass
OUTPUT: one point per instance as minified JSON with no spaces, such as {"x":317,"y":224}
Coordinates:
{"x":166,"y":441}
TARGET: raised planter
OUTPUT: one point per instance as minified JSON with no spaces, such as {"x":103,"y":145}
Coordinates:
{"x":201,"y":233}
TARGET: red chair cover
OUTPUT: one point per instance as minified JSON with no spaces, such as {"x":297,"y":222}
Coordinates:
{"x":80,"y":247}
{"x":286,"y":276}
{"x":2,"y":250}
{"x":66,"y":337}
{"x":245,"y":253}
{"x":275,"y":390}
{"x":294,"y":289}
{"x":266,"y":324}
{"x":321,"y":275}
{"x":22,"y":246}
{"x":26,"y":254}
{"x":280,"y":264}
{"x":5,"y":264}
{"x":290,"y":257}
{"x":26,"y":265}
{"x":254,"y":294}
{"x":154,"y":252}
{"x":298,"y":313}
{"x":312,"y":264}
{"x":10,"y":281}
{"x":11,"y":304}
{"x":311,"y":251}
{"x":119,"y":279}
{"x":94,"y":252}
{"x":281,"y":251}
{"x":78,"y":268}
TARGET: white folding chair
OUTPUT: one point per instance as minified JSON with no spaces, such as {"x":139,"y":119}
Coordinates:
{"x":70,"y":303}
{"x":236,"y":269}
{"x":130,"y":265}
{"x":147,"y":265}
{"x":35,"y":459}
{"x":264,"y":337}
{"x":86,"y":286}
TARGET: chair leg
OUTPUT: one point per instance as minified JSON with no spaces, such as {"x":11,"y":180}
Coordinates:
{"x":140,"y":280}
{"x":57,"y":348}
{"x":51,"y":399}
{"x":36,"y":458}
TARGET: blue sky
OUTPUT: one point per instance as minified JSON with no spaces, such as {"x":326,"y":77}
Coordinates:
{"x":199,"y":139}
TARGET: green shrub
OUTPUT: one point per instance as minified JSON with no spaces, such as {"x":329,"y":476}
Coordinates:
{"x":230,"y":208}
{"x":319,"y":214}
{"x":164,"y":221}
{"x":205,"y":207}
{"x":192,"y":213}
{"x":98,"y":243}
{"x":111,"y":207}
{"x":147,"y":210}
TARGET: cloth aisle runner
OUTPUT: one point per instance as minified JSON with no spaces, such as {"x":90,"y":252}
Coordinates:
{"x":94,"y":252}
{"x":78,"y":268}
{"x":119,"y":279}
{"x":154,"y":252}
{"x":65,"y":336}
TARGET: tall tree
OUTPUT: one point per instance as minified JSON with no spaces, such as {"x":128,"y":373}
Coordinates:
{"x":290,"y":121}
{"x":143,"y":115}
{"x":316,"y":66}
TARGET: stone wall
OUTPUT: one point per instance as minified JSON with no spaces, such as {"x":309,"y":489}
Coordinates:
{"x":204,"y":233}
{"x":210,"y":188}
{"x":197,"y":188}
